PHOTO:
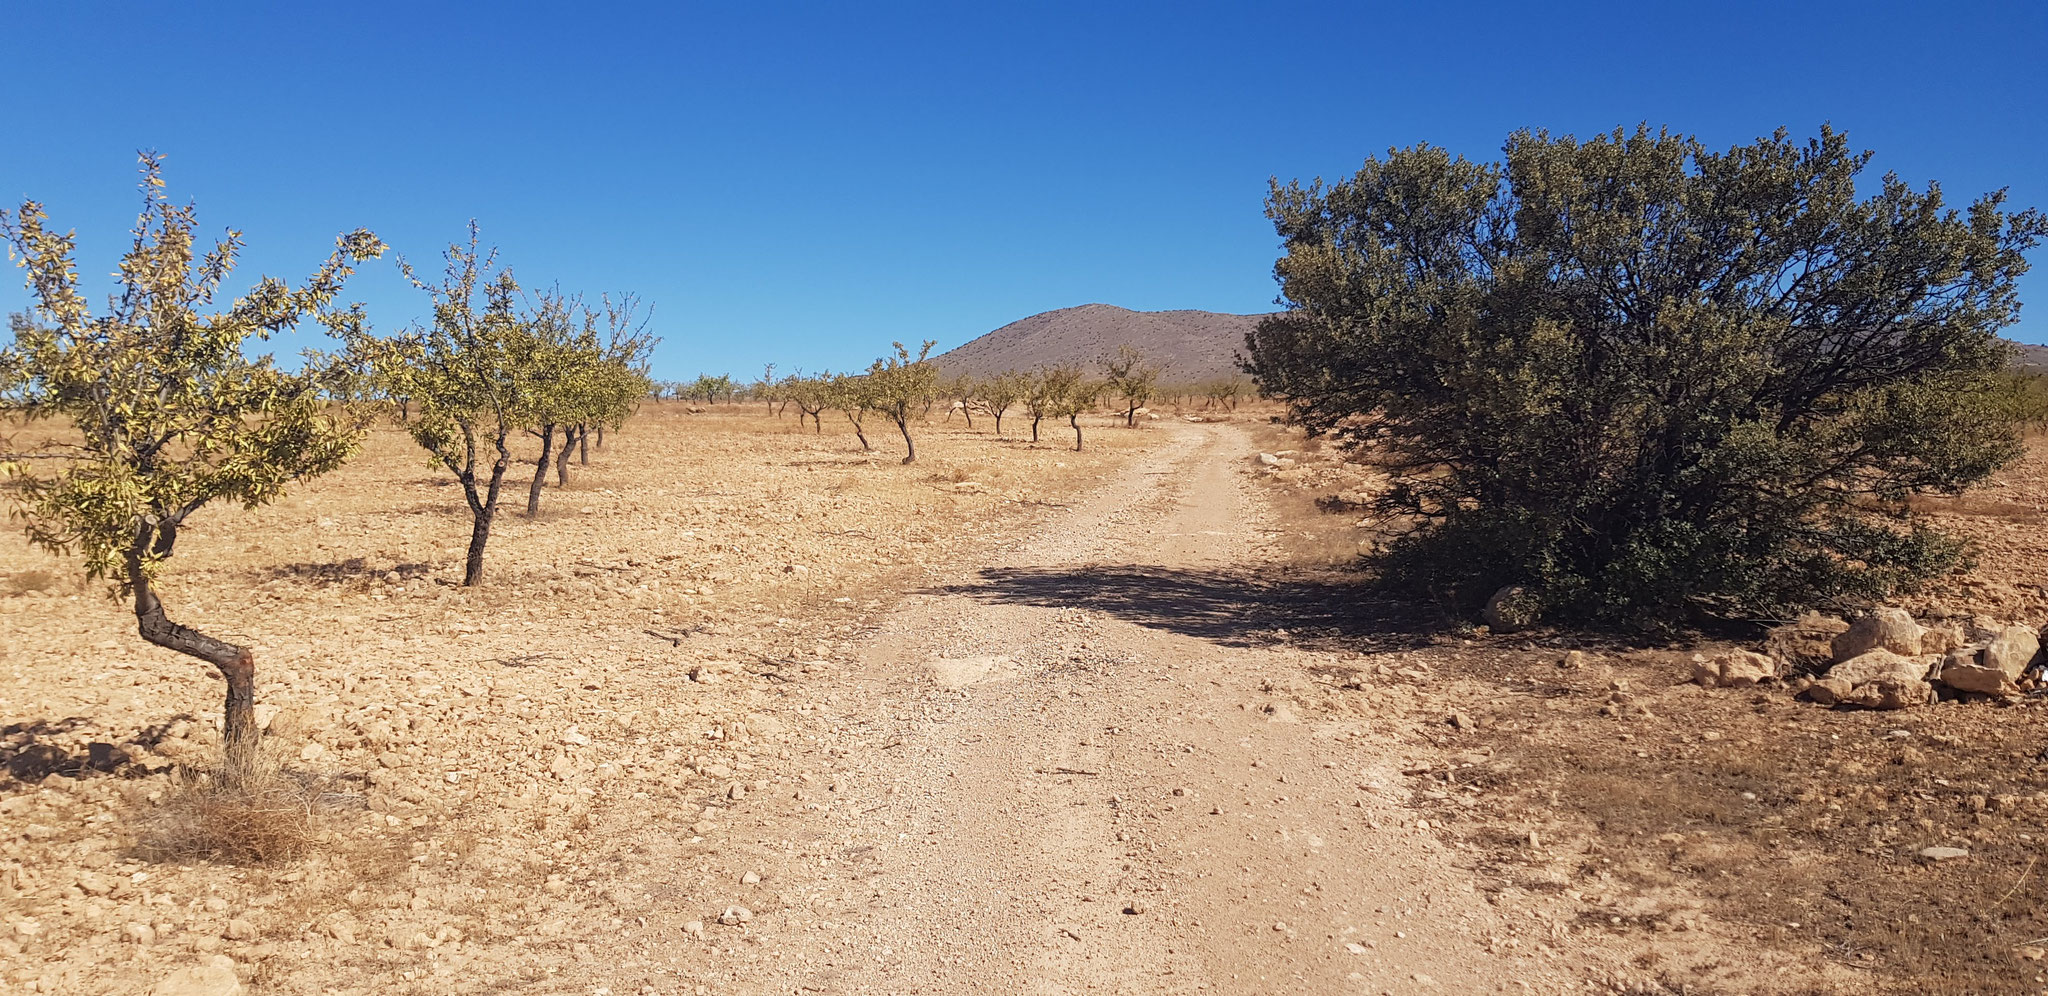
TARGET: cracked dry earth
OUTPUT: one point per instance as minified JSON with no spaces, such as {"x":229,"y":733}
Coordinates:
{"x":1080,"y":768}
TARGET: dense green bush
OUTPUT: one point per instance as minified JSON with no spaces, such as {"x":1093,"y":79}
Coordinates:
{"x":1651,"y":381}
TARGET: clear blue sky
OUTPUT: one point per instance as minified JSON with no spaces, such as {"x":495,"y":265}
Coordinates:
{"x":803,"y":183}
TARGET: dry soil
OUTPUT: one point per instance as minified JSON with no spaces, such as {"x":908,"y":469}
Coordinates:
{"x":749,"y":711}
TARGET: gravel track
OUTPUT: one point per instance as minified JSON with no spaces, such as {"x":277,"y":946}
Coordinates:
{"x":1031,"y":782}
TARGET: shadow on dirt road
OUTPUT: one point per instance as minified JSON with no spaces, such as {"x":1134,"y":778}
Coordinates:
{"x":1236,"y":608}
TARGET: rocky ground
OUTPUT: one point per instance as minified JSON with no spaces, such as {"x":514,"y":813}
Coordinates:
{"x":1887,"y":849}
{"x":474,"y":750}
{"x":748,"y":711}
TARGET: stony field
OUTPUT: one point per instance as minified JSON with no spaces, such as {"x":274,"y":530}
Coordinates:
{"x":470,"y":749}
{"x":748,"y":710}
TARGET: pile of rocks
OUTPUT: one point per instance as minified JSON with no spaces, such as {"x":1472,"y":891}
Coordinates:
{"x":1889,"y":660}
{"x":1886,"y":659}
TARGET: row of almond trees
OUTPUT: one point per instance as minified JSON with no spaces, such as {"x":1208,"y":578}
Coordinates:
{"x":157,"y":408}
{"x":494,"y":366}
{"x":902,"y":388}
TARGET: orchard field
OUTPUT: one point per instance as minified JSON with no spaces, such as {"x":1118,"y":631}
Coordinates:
{"x":749,"y":710}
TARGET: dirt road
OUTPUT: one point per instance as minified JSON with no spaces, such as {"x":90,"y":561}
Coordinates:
{"x":1071,"y":771}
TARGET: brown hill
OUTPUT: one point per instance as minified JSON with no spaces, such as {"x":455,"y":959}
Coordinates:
{"x":1191,"y":346}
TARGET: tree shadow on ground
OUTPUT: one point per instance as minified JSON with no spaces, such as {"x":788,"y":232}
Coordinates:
{"x":27,"y":755}
{"x":1232,"y":607}
{"x":343,"y":571}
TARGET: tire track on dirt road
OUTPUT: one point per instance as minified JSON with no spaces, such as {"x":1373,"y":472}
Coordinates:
{"x":1043,"y":778}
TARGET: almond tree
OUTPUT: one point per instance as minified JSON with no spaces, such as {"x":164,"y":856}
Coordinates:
{"x":1047,"y":393}
{"x":163,"y":412}
{"x":564,"y":343}
{"x":1224,"y":391}
{"x":998,"y":393}
{"x":609,"y":378}
{"x":964,"y":390}
{"x":475,"y":374}
{"x":1129,"y":377}
{"x":811,"y":395}
{"x":853,"y":394}
{"x":1072,"y":396}
{"x":902,"y":386}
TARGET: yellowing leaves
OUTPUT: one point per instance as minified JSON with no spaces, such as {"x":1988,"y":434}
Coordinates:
{"x":165,"y":413}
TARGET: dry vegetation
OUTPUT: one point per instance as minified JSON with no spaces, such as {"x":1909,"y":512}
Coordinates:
{"x":449,"y":761}
{"x":1667,"y":814}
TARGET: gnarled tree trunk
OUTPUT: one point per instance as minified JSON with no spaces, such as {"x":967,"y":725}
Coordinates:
{"x":482,"y":510}
{"x":236,"y":664}
{"x":1075,"y":421}
{"x":540,"y":469}
{"x":904,"y":424}
{"x":570,"y":436}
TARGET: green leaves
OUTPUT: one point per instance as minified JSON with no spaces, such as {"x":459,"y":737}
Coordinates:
{"x":161,"y":411}
{"x":1653,"y":378}
{"x":899,"y":383}
{"x":485,"y":368}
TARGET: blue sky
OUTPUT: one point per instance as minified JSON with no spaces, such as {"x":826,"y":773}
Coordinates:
{"x":801,"y":183}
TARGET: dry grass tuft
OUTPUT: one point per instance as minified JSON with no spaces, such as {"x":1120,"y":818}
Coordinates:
{"x":263,"y":817}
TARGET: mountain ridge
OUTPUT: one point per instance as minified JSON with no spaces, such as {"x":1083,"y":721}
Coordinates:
{"x":1190,"y":345}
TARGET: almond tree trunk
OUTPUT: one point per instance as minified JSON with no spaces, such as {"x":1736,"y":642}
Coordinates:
{"x":482,"y":510}
{"x":236,"y":664}
{"x":540,"y":470}
{"x":569,"y":435}
{"x":1075,"y":421}
{"x":904,"y":424}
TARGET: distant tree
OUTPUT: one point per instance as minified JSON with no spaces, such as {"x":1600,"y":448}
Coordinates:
{"x":162,"y":412}
{"x":903,"y":387}
{"x":1230,"y":388}
{"x":1129,"y":377}
{"x":614,"y":379}
{"x":1077,"y":399}
{"x":564,"y":340}
{"x":764,"y":389}
{"x":997,"y":394}
{"x":1058,"y":392}
{"x":853,"y":394}
{"x":963,"y":391}
{"x":708,"y":388}
{"x":584,"y":378}
{"x":811,"y":396}
{"x":1645,"y":379}
{"x":1043,"y":392}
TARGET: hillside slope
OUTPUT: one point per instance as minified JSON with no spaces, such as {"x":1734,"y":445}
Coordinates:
{"x":1191,"y":345}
